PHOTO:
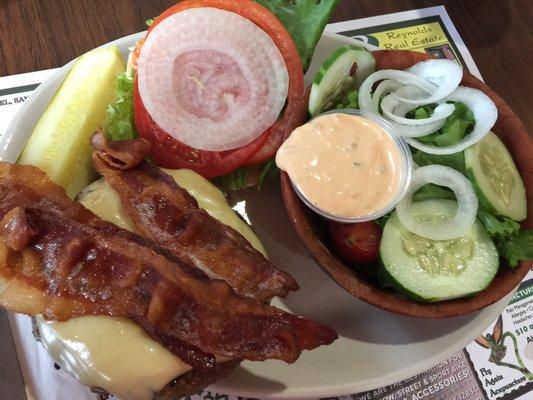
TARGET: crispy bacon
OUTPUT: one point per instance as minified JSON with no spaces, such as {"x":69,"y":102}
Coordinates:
{"x":170,"y":216}
{"x":76,"y":264}
{"x":123,"y":154}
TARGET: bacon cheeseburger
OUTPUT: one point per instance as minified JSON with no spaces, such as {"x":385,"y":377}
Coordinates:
{"x":150,"y":286}
{"x":156,"y":293}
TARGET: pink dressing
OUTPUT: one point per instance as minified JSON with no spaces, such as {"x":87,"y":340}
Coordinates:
{"x":345,"y":165}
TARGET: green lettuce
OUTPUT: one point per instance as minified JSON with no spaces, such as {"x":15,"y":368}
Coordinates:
{"x":349,"y":99}
{"x":457,"y":125}
{"x":249,"y":176}
{"x":455,"y":161}
{"x":120,"y":123}
{"x":304,"y":19}
{"x":517,"y":247}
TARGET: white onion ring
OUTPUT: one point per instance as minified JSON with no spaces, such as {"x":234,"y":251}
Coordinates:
{"x":467,"y":203}
{"x":384,"y":87}
{"x":485,"y":115}
{"x":365,"y":90}
{"x":445,"y":74}
{"x":211,"y":78}
{"x":391,"y":101}
{"x":414,"y":131}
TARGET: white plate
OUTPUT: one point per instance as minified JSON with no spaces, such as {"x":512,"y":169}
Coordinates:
{"x":375,"y":348}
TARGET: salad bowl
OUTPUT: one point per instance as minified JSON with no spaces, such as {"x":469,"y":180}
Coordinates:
{"x":312,"y":229}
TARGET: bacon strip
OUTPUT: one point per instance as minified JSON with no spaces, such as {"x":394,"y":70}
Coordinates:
{"x":121,"y":155}
{"x":169,"y":215}
{"x":76,"y":264}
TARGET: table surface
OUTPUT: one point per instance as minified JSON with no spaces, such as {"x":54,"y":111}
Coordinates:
{"x":39,"y":34}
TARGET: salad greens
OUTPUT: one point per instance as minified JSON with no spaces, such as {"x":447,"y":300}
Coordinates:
{"x":514,"y":244}
{"x":516,"y":247}
{"x":456,"y":127}
{"x":304,"y":19}
{"x":120,"y":124}
{"x":348,"y":99}
{"x":455,"y":160}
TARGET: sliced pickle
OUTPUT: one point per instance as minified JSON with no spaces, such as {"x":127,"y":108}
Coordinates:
{"x":59,"y":144}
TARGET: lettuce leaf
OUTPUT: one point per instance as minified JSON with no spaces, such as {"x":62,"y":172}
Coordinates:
{"x":120,"y":124}
{"x":517,"y":247}
{"x":304,"y":19}
{"x":456,"y":127}
{"x":349,"y":99}
{"x":455,"y":161}
{"x":498,"y":226}
{"x":249,"y":176}
{"x":513,"y":244}
{"x":432,"y":191}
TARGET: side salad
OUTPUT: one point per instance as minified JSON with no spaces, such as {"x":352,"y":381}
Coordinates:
{"x":460,"y":219}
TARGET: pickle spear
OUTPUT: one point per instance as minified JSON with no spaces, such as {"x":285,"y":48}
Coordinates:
{"x":59,"y":144}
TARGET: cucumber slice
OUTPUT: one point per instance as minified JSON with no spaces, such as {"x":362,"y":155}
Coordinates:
{"x":434,"y":270}
{"x":497,"y":182}
{"x":337,"y":75}
{"x":59,"y":144}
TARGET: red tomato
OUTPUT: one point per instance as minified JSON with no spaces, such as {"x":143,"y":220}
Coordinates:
{"x":356,"y":243}
{"x":171,"y":153}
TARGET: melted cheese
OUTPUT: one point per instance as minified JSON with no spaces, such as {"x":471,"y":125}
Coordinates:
{"x":112,"y":353}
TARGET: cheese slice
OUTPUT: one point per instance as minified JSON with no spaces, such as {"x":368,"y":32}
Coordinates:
{"x":113,"y":353}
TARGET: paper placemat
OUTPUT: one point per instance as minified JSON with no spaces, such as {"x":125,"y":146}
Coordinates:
{"x":485,"y":369}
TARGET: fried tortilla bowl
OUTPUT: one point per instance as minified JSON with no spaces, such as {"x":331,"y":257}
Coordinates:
{"x":312,"y":229}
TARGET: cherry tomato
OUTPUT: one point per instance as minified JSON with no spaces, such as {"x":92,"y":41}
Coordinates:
{"x":171,"y":153}
{"x":356,"y":243}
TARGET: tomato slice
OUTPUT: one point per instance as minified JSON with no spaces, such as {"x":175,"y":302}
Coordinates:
{"x":170,"y":153}
{"x":356,"y":243}
{"x":294,"y":115}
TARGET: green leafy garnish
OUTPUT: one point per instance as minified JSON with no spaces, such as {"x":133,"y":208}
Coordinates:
{"x":431,"y":191}
{"x":513,"y":244}
{"x":304,"y":19}
{"x":498,"y":226}
{"x":268,"y":170}
{"x":120,"y":124}
{"x":149,"y":22}
{"x":247,"y":177}
{"x":456,"y":127}
{"x":455,"y":161}
{"x":349,"y":99}
{"x":421,"y":112}
{"x":517,"y":247}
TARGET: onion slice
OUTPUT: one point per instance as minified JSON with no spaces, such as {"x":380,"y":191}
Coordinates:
{"x":365,"y":90}
{"x":391,"y":101}
{"x":467,"y":203}
{"x":414,"y":131}
{"x":383,"y":88}
{"x":485,"y":115}
{"x":211,"y":78}
{"x":445,"y":74}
